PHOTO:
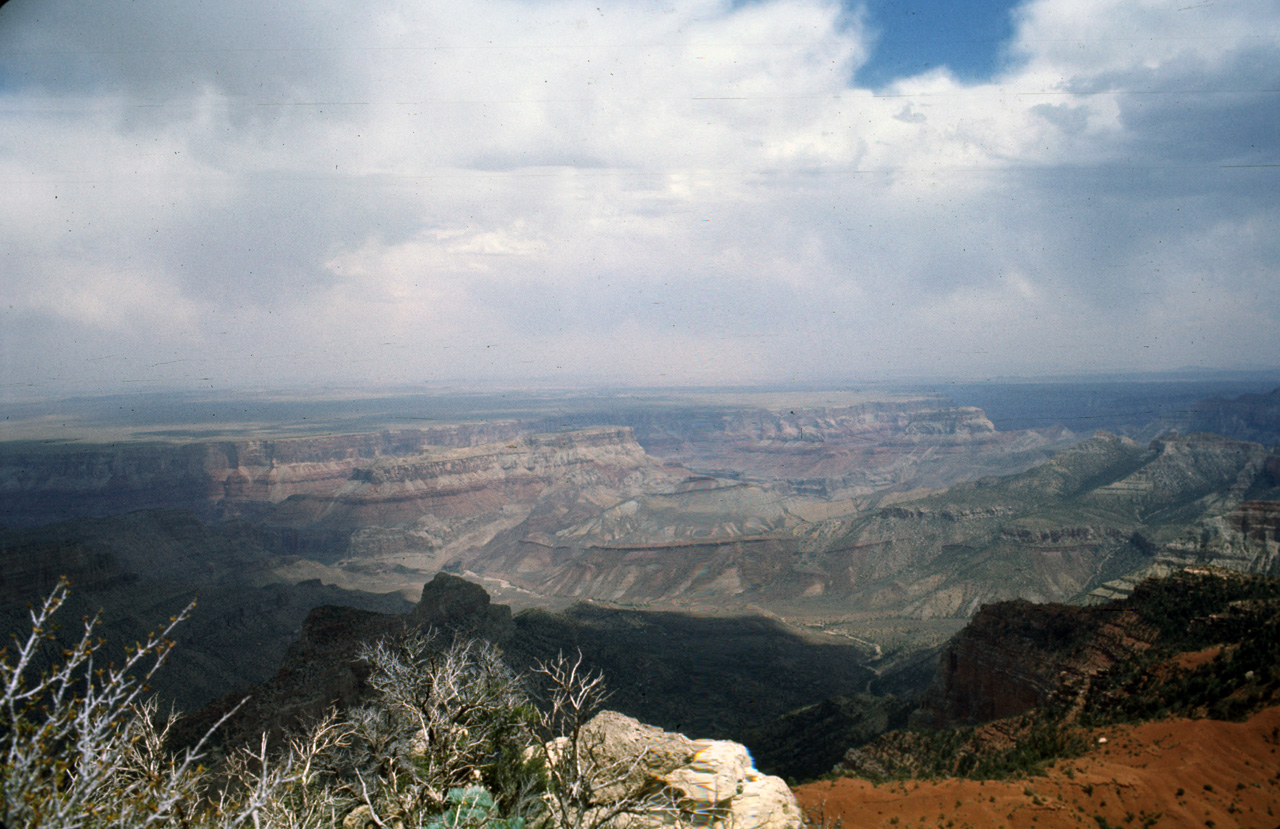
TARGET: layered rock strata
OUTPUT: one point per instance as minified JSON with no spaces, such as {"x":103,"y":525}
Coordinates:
{"x":41,"y":483}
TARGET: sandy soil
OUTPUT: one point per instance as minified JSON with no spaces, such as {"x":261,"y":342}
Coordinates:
{"x":1179,"y":772}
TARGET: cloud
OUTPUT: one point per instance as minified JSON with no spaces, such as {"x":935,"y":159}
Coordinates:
{"x":340,"y":192}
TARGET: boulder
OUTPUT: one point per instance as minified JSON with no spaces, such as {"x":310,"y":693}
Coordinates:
{"x":719,"y":785}
{"x":711,"y":783}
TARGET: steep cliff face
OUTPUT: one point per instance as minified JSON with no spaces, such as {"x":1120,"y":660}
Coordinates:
{"x":1184,"y":476}
{"x":697,"y":540}
{"x":1246,"y":539}
{"x":1257,"y":521}
{"x":460,"y":482}
{"x":742,"y":531}
{"x":912,"y":417}
{"x":42,"y":483}
{"x":820,"y":449}
{"x":1232,"y":524}
{"x":1012,"y":656}
{"x":1084,"y":661}
{"x":1094,"y":514}
{"x":436,"y":508}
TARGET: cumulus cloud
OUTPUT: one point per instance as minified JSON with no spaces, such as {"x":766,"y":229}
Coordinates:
{"x":693,"y":192}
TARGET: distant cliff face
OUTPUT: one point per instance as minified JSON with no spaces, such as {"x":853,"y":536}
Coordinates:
{"x":434,"y":508}
{"x":743,"y":531}
{"x":1246,"y":538}
{"x":1257,"y":521}
{"x":1094,"y":514}
{"x":854,"y":450}
{"x":1253,"y":417}
{"x":914,"y":417}
{"x":460,"y":482}
{"x":582,"y":513}
{"x":42,"y":483}
{"x":860,"y":448}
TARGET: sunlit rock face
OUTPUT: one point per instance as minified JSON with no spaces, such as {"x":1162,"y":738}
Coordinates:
{"x":699,"y":782}
{"x":450,"y":483}
{"x":1100,"y":513}
{"x":433,"y":509}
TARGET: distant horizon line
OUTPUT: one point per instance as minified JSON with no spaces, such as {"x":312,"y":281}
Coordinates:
{"x":13,"y":394}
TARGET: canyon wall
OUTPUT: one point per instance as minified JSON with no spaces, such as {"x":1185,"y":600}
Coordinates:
{"x":823,"y":451}
{"x":45,"y":482}
{"x":849,"y":451}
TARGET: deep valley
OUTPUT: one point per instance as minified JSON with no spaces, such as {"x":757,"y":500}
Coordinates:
{"x":807,"y":573}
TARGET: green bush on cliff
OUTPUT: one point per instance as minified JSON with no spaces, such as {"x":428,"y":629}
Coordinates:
{"x":1194,"y":612}
{"x":471,"y":808}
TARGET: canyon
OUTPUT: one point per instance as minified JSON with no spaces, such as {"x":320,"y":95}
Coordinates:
{"x":265,"y":529}
{"x":810,"y":569}
{"x":883,"y":521}
{"x":589,"y":508}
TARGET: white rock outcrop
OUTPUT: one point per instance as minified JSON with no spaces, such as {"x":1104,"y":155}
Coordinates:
{"x":710,"y":783}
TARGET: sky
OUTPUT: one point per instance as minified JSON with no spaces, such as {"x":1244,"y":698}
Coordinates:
{"x":297,"y":193}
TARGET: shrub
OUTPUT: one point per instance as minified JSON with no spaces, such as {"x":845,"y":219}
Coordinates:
{"x":470,"y":808}
{"x":80,"y":745}
{"x":450,"y":739}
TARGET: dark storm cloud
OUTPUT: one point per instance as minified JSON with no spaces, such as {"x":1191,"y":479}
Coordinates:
{"x":161,"y":51}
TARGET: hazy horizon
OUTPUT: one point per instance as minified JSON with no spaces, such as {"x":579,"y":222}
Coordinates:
{"x":569,"y":194}
{"x":1083,"y":403}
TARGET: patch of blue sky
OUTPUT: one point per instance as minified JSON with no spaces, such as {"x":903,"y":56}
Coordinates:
{"x":914,"y":36}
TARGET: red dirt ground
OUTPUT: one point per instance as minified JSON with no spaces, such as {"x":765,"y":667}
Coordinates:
{"x":1191,"y":661}
{"x":1189,"y":772}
